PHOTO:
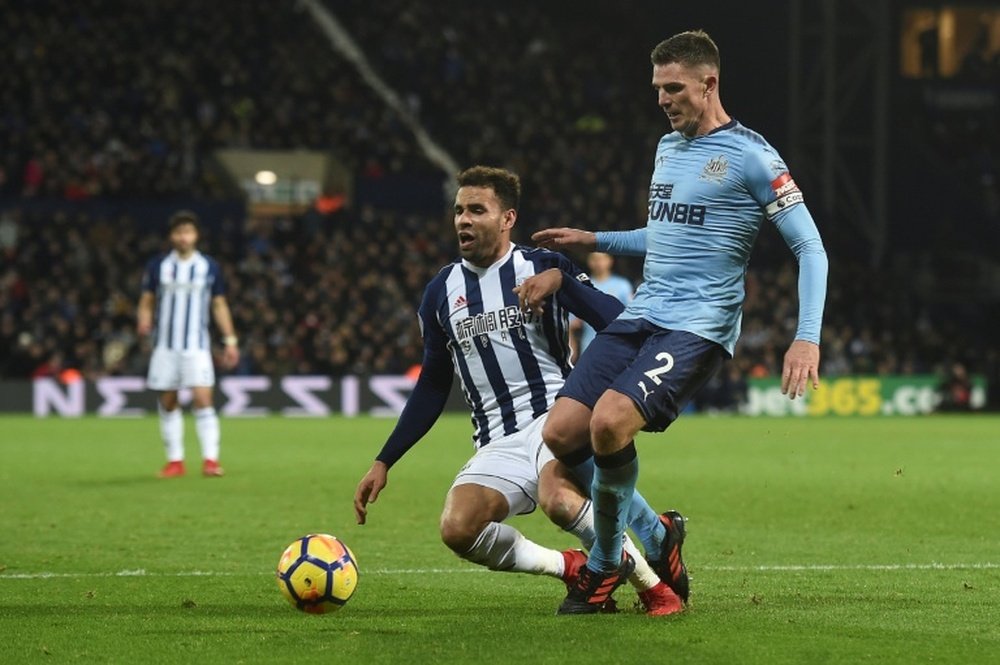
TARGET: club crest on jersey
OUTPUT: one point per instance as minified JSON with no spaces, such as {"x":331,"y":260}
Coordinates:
{"x":716,"y":169}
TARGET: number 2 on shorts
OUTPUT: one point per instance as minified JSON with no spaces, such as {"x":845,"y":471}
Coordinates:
{"x":668,"y":364}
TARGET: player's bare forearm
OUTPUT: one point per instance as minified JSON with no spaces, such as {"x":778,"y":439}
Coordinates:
{"x":224,"y":320}
{"x":223,"y":317}
{"x":144,"y":313}
{"x":801,"y":368}
{"x":565,"y":238}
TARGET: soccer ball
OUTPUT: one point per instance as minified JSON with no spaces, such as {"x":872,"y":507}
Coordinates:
{"x":317,"y":573}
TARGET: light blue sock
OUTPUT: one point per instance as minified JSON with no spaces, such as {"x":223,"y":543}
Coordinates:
{"x":642,"y":519}
{"x":612,"y":493}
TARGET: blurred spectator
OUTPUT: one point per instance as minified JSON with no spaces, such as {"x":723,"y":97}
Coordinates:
{"x":956,"y":390}
{"x":726,"y":392}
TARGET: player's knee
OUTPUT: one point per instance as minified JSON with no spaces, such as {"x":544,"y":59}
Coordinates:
{"x":201,"y":399}
{"x":610,"y":428}
{"x":564,"y":435}
{"x":168,"y":401}
{"x":458,"y":534}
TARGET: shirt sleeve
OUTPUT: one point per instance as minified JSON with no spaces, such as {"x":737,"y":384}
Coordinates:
{"x":622,"y":243}
{"x":799,"y":231}
{"x":773,"y":188}
{"x":151,"y":276}
{"x":218,"y":281}
{"x":430,"y":394}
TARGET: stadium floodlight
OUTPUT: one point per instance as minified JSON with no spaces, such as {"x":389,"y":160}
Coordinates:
{"x":266,"y":177}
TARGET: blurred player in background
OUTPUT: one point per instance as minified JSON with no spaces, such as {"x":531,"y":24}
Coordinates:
{"x":491,"y":318}
{"x":599,"y":266}
{"x":714,"y":182}
{"x":182,"y":287}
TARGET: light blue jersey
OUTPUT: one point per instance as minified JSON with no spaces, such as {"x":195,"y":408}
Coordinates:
{"x":707,"y":199}
{"x":614,"y":285}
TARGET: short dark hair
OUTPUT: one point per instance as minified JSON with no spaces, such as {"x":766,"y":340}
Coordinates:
{"x":182,"y":217}
{"x":505,"y":184}
{"x":690,"y":48}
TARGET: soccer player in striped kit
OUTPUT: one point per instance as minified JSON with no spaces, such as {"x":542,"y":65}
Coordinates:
{"x":714,"y":183}
{"x":499,"y":319}
{"x":182,"y":287}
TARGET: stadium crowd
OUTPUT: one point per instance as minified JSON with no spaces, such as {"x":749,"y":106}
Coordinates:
{"x":341,"y":299}
{"x":336,"y":293}
{"x":169,"y":90}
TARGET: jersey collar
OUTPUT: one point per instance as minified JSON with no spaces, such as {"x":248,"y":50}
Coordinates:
{"x":177,"y":257}
{"x":721,"y":128}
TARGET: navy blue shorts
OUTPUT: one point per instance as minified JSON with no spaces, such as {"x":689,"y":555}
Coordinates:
{"x":659,"y":369}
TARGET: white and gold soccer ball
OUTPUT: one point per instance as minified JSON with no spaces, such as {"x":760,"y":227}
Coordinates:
{"x":318,"y":573}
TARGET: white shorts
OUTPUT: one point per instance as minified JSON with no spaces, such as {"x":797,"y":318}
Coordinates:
{"x":511,"y":465}
{"x":173,"y":370}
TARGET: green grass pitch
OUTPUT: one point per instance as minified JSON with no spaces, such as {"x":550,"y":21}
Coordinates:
{"x":810,"y":541}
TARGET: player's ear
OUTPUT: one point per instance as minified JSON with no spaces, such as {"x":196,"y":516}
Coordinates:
{"x":711,"y":83}
{"x":509,"y":219}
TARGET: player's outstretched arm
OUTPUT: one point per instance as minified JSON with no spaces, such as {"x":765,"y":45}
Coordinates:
{"x":368,"y":489}
{"x":422,"y":410}
{"x":565,"y":238}
{"x":801,"y":368}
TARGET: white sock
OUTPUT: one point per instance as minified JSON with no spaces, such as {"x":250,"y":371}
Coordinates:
{"x":642,"y":578}
{"x":582,"y":525}
{"x":206,"y":423}
{"x":172,"y":432}
{"x":502,"y":547}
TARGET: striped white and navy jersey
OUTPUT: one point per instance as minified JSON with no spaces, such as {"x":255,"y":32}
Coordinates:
{"x":184,"y":291}
{"x":511,"y":363}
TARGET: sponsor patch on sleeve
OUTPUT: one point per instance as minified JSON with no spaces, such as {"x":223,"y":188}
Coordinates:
{"x":786,"y":194}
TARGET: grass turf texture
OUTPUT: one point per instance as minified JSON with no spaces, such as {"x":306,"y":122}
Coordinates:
{"x":770,"y":502}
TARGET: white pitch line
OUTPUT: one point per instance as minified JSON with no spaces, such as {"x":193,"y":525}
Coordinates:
{"x":836,"y":567}
{"x":792,"y":568}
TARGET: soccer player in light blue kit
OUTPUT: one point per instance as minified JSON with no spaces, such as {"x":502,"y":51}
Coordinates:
{"x":599,"y":266}
{"x":714,"y":182}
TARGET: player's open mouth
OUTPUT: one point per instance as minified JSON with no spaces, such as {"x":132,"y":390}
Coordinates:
{"x":465,"y":239}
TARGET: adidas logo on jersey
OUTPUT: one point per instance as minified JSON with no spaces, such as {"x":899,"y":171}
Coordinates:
{"x":460,"y":302}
